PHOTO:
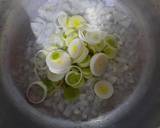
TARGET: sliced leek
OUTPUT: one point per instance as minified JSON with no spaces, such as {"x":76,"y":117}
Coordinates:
{"x":83,"y":56}
{"x":98,"y":64}
{"x":91,"y":37}
{"x":62,"y":20}
{"x":71,"y":94}
{"x":111,"y":41}
{"x":54,"y":77}
{"x":36,"y":92}
{"x":39,"y":59}
{"x":76,"y":22}
{"x":75,"y":48}
{"x":58,"y":61}
{"x":85,"y":63}
{"x":110,"y":52}
{"x":74,"y":79}
{"x":87,"y":73}
{"x":103,"y":89}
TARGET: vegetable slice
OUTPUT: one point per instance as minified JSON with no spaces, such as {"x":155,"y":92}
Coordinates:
{"x":87,"y":73}
{"x":39,"y":59}
{"x":98,"y":64}
{"x":75,"y":48}
{"x":111,"y":41}
{"x":85,"y":63}
{"x":76,"y":22}
{"x":110,"y":52}
{"x":91,"y":37}
{"x":83,"y":56}
{"x":54,"y":77}
{"x":62,"y":20}
{"x":74,"y":78}
{"x":36,"y":92}
{"x":71,"y":94}
{"x":103,"y":89}
{"x":58,"y":61}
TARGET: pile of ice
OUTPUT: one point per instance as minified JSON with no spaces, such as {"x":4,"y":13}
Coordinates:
{"x":100,"y":14}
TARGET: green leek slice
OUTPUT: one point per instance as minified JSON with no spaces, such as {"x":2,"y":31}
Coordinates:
{"x":110,"y":52}
{"x":111,"y":41}
{"x":87,"y":73}
{"x":54,"y":77}
{"x":71,"y":94}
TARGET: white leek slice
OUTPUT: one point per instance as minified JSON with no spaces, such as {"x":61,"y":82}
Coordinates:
{"x":103,"y":89}
{"x":83,"y":56}
{"x":62,"y":20}
{"x":75,"y":48}
{"x":58,"y":61}
{"x":36,"y":92}
{"x":98,"y":64}
{"x":85,"y":63}
{"x":91,"y":37}
{"x":54,"y":77}
{"x":76,"y":22}
{"x":39,"y":59}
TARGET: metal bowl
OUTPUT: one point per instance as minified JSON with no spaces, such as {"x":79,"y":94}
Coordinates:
{"x":141,"y":108}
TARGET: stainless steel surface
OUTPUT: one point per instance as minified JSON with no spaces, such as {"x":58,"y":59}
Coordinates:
{"x":142,"y":109}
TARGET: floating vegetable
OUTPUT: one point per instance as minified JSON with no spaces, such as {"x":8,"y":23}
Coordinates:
{"x":91,"y":37}
{"x":76,"y":22}
{"x":70,"y":38}
{"x":75,"y":48}
{"x":71,"y":94}
{"x":85,"y":63}
{"x":54,"y":77}
{"x":98,"y":64}
{"x":58,"y":61}
{"x":110,"y":52}
{"x":62,"y":20}
{"x":39,"y":59}
{"x":111,"y":48}
{"x":74,"y":78}
{"x":36,"y":92}
{"x":103,"y":89}
{"x":111,"y":41}
{"x":87,"y":73}
{"x":83,"y":56}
